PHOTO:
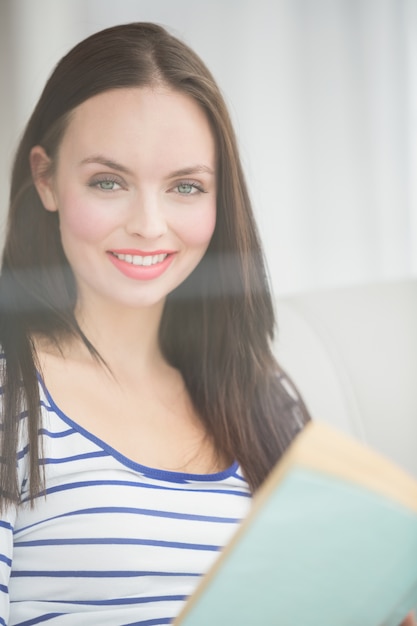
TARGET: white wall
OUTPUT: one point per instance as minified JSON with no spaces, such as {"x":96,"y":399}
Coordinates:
{"x":324,"y":97}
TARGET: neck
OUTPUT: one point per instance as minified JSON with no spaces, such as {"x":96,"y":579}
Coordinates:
{"x":123,"y":336}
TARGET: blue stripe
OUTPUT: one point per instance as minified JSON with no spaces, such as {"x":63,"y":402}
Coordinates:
{"x":23,"y":452}
{"x":5,"y":525}
{"x":96,"y":574}
{"x":133,"y":511}
{"x":122,"y":541}
{"x":39,"y":620}
{"x":124,"y":601}
{"x":76,"y":457}
{"x":152,"y":622}
{"x":48,"y":407}
{"x":20,"y":416}
{"x":4,"y":588}
{"x":2,"y":622}
{"x":153,"y":513}
{"x":52,"y":435}
{"x":128,"y":483}
{"x":5,"y":559}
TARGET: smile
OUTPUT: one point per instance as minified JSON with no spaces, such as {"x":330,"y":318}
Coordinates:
{"x":144,"y":261}
{"x":142,"y":266}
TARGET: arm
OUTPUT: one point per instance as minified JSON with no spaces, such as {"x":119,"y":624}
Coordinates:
{"x":6,"y":554}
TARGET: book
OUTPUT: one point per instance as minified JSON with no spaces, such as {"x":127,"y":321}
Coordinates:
{"x":330,"y":540}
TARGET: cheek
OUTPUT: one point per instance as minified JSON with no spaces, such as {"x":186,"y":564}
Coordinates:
{"x":198,"y":230}
{"x":82,"y":220}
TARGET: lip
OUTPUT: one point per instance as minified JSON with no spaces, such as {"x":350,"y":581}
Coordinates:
{"x":141,"y":272}
{"x":136,"y":252}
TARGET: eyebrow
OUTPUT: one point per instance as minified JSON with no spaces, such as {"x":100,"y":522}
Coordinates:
{"x":194,"y":169}
{"x":184,"y":171}
{"x":101,"y":160}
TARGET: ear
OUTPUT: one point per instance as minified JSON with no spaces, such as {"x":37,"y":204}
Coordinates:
{"x":40,"y":165}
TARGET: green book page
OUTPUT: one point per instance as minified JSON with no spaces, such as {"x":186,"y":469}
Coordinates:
{"x":321,"y":551}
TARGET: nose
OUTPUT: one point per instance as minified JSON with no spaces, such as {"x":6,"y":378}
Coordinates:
{"x":146,"y":218}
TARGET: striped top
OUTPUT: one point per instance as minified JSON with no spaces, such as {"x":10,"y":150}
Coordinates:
{"x":113,"y":542}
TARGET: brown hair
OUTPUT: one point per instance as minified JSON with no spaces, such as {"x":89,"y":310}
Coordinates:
{"x":216,"y":327}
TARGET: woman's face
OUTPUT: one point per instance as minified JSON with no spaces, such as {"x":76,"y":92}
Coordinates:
{"x":135,"y":188}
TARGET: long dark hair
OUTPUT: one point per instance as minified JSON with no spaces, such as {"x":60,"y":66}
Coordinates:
{"x":217,"y":326}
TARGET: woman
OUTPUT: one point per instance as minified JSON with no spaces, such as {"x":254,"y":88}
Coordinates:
{"x":141,"y":401}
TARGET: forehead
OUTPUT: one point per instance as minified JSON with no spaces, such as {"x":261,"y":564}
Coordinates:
{"x":129,"y":121}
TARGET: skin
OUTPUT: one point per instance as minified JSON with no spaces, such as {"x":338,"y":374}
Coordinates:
{"x":135,"y":172}
{"x":115,"y":188}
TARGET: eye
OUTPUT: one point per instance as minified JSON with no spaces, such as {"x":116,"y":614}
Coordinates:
{"x":106,"y":183}
{"x":188,"y":188}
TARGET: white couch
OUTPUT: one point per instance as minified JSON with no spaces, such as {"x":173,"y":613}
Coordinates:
{"x":352,"y":352}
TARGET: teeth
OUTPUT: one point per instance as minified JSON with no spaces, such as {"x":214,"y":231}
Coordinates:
{"x":136,"y":259}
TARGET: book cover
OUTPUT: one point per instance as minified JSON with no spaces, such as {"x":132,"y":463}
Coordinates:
{"x":331,"y":540}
